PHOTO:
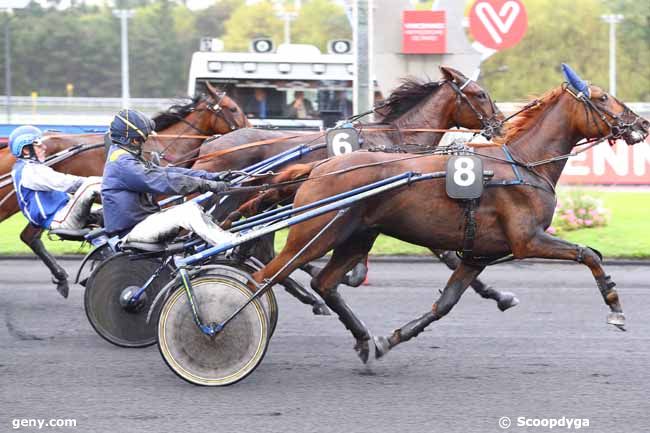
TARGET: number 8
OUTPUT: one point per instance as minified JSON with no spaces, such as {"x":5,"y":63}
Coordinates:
{"x":463,"y":172}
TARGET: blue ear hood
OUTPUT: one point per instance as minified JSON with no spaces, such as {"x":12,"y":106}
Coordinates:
{"x":576,"y":82}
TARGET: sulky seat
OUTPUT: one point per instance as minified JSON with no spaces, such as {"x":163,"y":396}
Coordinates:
{"x":71,"y":234}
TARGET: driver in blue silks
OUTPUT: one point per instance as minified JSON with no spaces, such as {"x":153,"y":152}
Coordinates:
{"x":130,"y":182}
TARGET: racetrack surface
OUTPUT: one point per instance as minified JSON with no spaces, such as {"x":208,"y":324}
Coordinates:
{"x":552,"y":356}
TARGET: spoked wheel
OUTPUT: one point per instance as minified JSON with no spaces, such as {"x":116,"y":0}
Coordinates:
{"x":107,"y":297}
{"x":226,"y":358}
{"x":243,"y":272}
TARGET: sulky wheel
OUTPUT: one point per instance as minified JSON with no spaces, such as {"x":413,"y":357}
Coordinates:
{"x":242,"y":271}
{"x":106,"y":300}
{"x":229,"y":356}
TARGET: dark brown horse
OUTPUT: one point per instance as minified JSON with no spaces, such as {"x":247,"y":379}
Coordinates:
{"x":426,"y":107}
{"x":509,"y":220}
{"x":206,"y":115}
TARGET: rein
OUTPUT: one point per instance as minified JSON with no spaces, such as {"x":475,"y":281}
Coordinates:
{"x":317,"y":135}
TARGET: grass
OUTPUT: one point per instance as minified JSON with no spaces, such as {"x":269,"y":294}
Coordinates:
{"x":626,"y":236}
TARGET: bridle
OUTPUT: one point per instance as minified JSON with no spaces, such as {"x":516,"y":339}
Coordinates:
{"x":490,"y":126}
{"x":618,"y":128}
{"x":218,"y":110}
{"x":214,"y":108}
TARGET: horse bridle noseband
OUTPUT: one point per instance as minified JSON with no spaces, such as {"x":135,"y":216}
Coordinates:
{"x":489,"y":126}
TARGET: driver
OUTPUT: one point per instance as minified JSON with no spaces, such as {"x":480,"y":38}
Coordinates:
{"x":130,"y":183}
{"x":44,"y":195}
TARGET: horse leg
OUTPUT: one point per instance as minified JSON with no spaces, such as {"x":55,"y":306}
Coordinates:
{"x":458,"y":282}
{"x":31,"y":235}
{"x":296,"y":290}
{"x":545,"y":246}
{"x":263,"y":249}
{"x":353,"y":278}
{"x":504,"y":300}
{"x":344,"y":258}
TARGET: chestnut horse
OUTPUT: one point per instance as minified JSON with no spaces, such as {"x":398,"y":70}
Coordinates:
{"x":510,"y":218}
{"x":205,"y":115}
{"x":454,"y":101}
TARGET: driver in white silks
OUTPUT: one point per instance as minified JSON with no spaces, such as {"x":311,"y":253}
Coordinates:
{"x":130,"y":183}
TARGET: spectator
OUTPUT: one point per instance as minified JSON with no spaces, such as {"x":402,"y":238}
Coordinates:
{"x":300,"y":108}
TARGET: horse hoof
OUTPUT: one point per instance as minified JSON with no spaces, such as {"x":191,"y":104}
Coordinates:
{"x":363,"y":350}
{"x":616,"y":319}
{"x":507,"y":300}
{"x":62,"y":287}
{"x":357,"y":275}
{"x":382,"y":346}
{"x":320,"y":309}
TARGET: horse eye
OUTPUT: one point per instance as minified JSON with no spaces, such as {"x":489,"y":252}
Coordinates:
{"x":233,"y":109}
{"x":603,"y":98}
{"x":482,"y":95}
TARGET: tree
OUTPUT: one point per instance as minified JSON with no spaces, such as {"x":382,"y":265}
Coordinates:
{"x":633,"y":54}
{"x":577,"y":36}
{"x":157,"y":56}
{"x":210,"y":22}
{"x":249,"y":22}
{"x":572,"y":35}
{"x":319,"y":22}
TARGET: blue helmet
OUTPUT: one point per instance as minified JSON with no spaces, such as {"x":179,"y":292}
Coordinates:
{"x":23,"y":136}
{"x":130,"y":124}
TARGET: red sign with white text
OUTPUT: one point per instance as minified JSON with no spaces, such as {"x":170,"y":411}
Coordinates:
{"x":610,"y":165}
{"x":498,"y":24}
{"x":424,"y":32}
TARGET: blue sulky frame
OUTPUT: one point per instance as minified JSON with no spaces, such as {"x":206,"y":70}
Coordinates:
{"x":279,"y":219}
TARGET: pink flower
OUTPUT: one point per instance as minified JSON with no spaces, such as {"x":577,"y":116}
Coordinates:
{"x":589,"y":222}
{"x":569,"y":211}
{"x":581,"y":211}
{"x":580,"y":221}
{"x":551,"y":230}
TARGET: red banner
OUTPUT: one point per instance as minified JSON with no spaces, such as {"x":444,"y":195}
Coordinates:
{"x":424,"y":32}
{"x":610,"y":165}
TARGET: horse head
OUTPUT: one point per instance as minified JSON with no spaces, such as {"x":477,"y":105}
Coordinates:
{"x":474,"y":108}
{"x":600,"y":115}
{"x":228,"y":116}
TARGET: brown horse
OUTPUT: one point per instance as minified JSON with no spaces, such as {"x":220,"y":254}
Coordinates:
{"x":206,"y":115}
{"x":454,"y":101}
{"x":510,"y":219}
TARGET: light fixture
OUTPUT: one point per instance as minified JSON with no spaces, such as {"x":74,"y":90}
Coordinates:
{"x":249,"y":67}
{"x":214,"y":66}
{"x":284,"y":68}
{"x":318,"y":68}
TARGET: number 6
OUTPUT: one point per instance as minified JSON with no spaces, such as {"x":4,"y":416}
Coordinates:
{"x":339,"y":145}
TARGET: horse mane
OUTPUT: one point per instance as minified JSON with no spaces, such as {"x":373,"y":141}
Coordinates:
{"x":528,"y":118}
{"x":410,"y":93}
{"x":176,"y":112}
